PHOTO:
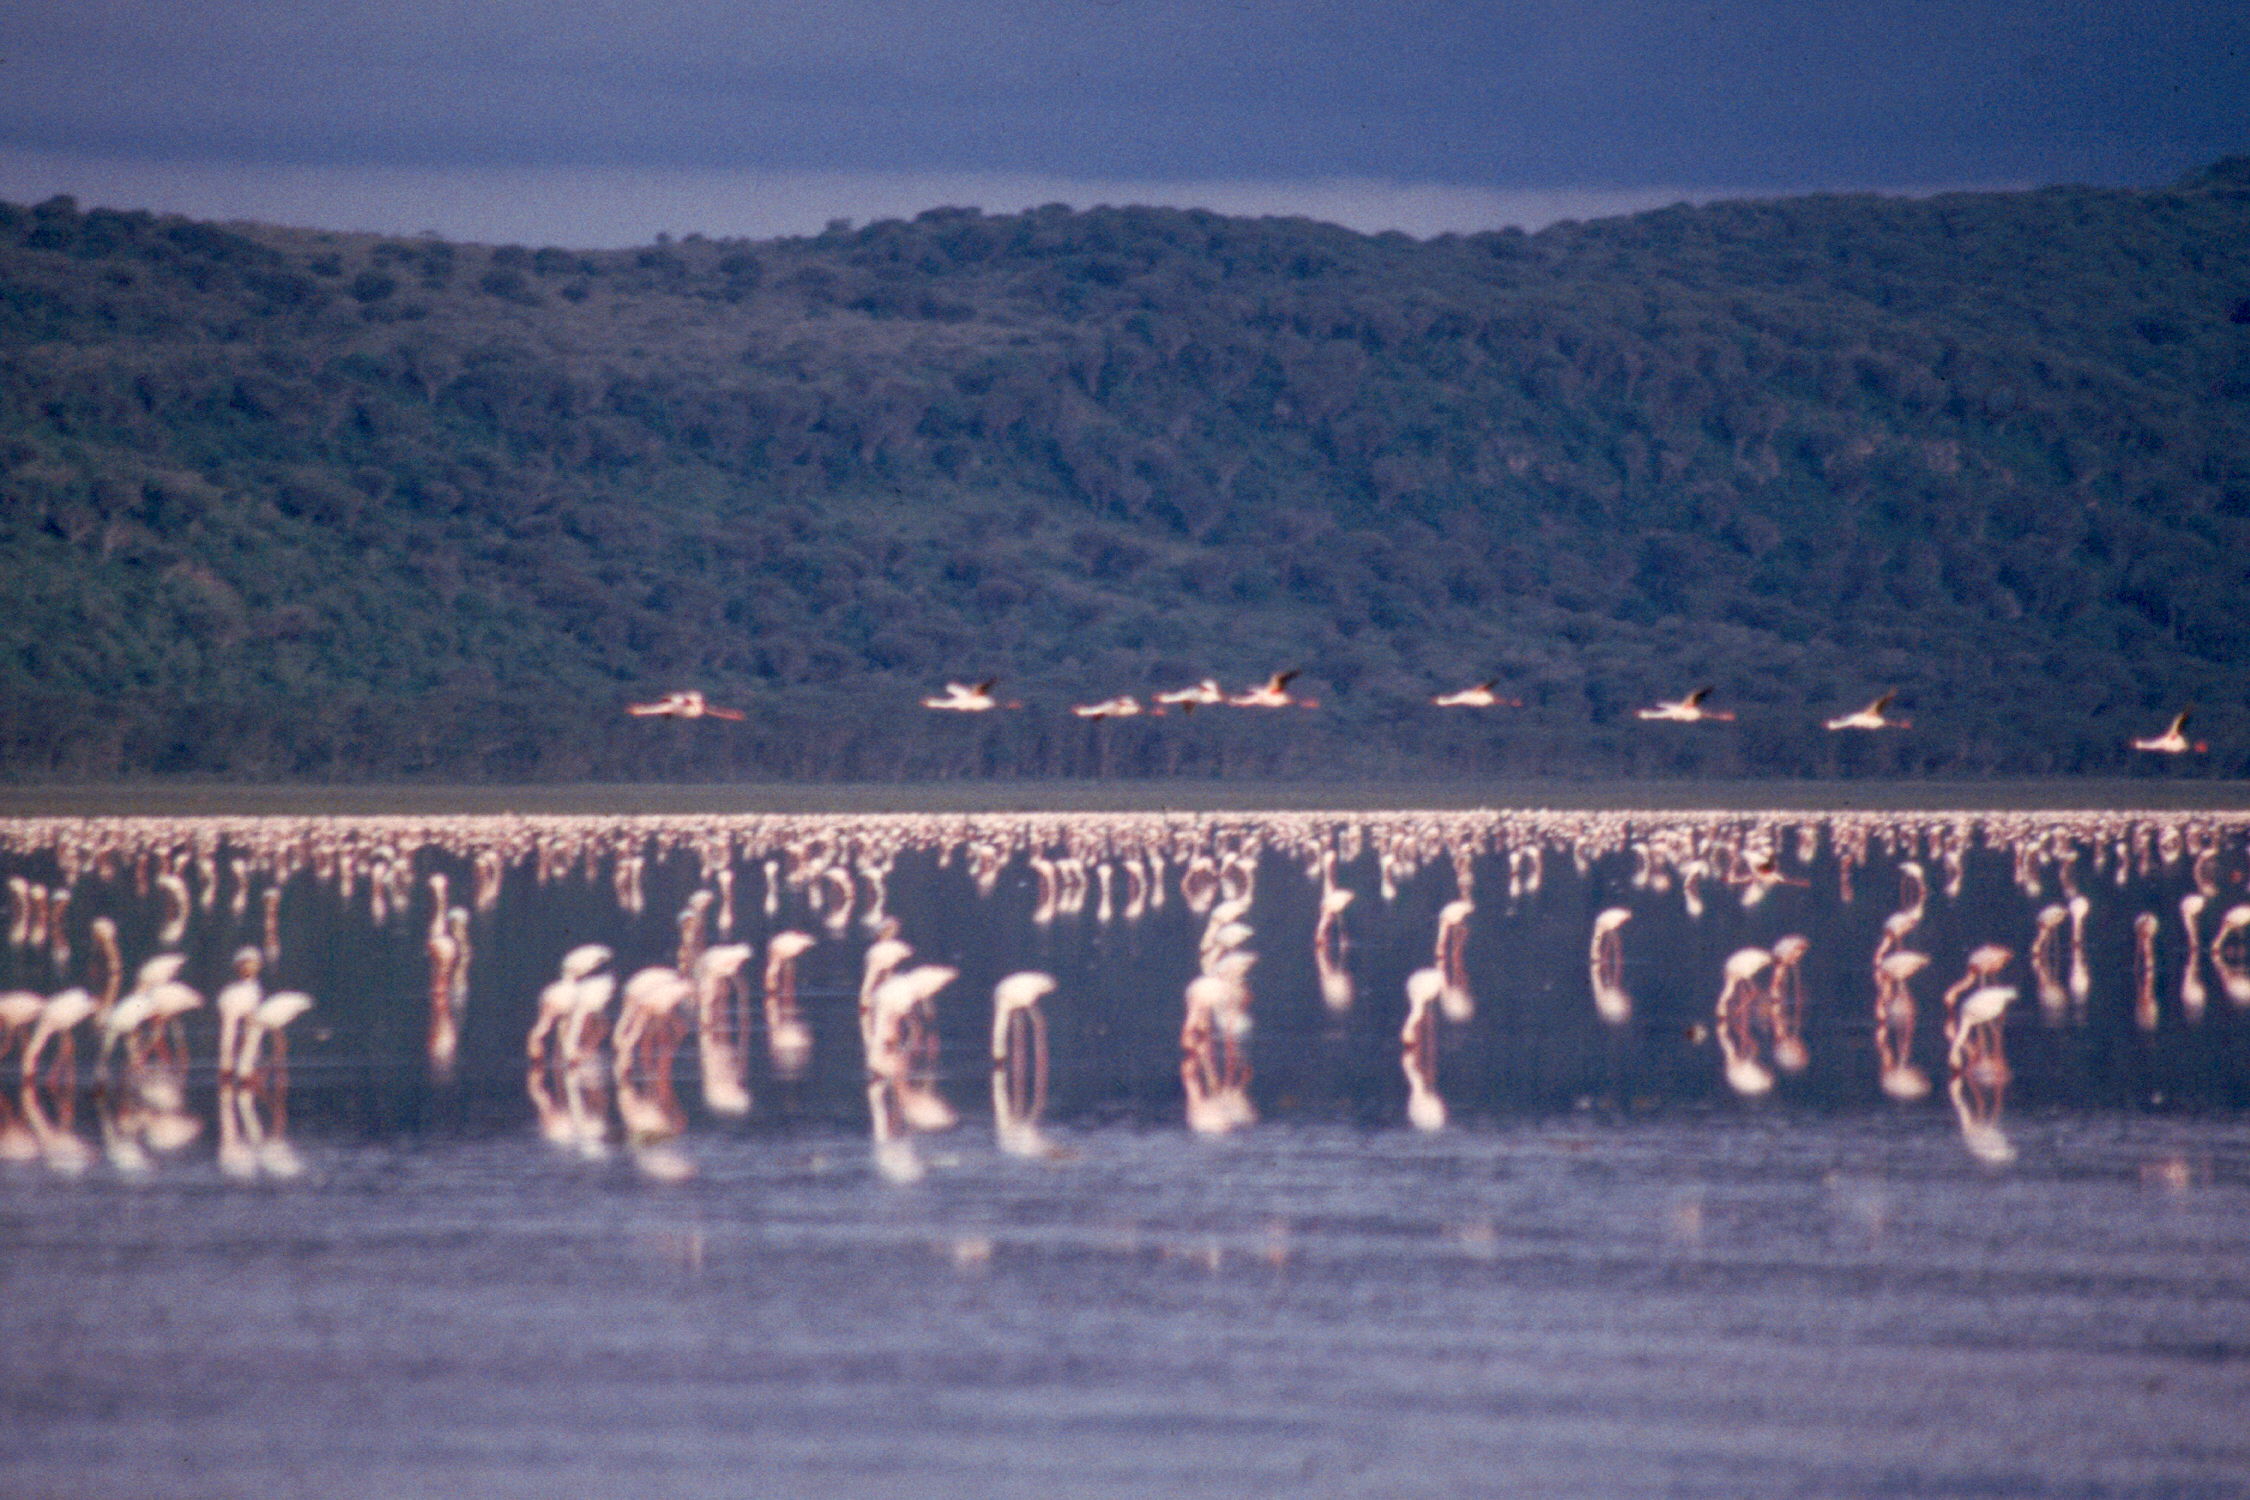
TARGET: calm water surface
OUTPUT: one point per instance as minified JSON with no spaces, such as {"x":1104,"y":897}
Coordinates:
{"x":1580,"y":1221}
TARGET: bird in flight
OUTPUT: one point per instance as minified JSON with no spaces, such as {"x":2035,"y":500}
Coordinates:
{"x":1480,"y":696}
{"x":2174,"y":740}
{"x":965,"y":698}
{"x":687,"y":705}
{"x":1871,"y":717}
{"x":1274,"y":694}
{"x":1124,"y":706}
{"x":1688,"y":710}
{"x":1190,"y":699}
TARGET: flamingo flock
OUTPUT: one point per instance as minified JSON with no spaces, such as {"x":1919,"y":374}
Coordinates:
{"x":605,"y":1037}
{"x":1274,"y":692}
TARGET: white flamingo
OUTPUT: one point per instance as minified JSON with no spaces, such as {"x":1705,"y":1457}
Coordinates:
{"x":965,"y":697}
{"x":1688,"y":710}
{"x":2174,"y":740}
{"x":687,"y":705}
{"x":1483,"y":695}
{"x":1123,"y":706}
{"x":1872,"y":716}
{"x":1188,"y":700}
{"x":1273,"y":693}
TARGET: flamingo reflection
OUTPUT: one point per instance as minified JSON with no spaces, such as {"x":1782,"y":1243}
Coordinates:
{"x":1894,"y":1024}
{"x":2046,"y":961}
{"x":1214,"y":1070}
{"x":722,"y":1028}
{"x":1605,"y":963}
{"x":1783,"y":1007}
{"x":1736,"y":1016}
{"x":788,"y":1038}
{"x":1425,"y":991}
{"x":1977,"y":1063}
{"x":1019,"y":1062}
{"x":2144,"y":971}
{"x":2230,"y":954}
{"x":1331,"y":946}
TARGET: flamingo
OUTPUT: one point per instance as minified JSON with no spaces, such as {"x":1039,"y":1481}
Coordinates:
{"x":1983,"y":1007}
{"x":560,"y":998}
{"x":687,"y":705}
{"x":647,"y":1022}
{"x":788,"y":1038}
{"x":1894,"y":1023}
{"x":1425,"y":997}
{"x":586,"y":1023}
{"x":1785,"y":1003}
{"x":1123,"y":706}
{"x":1188,"y":700}
{"x":966,"y":698}
{"x":270,"y":1019}
{"x":2174,"y":740}
{"x":1274,"y":693}
{"x":237,"y":1001}
{"x":1480,"y":696}
{"x":1688,"y":710}
{"x":720,"y":1028}
{"x":902,"y":1044}
{"x":1985,"y":964}
{"x":19,"y":1013}
{"x":1871,"y":717}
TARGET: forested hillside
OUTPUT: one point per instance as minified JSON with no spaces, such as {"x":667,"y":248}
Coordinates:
{"x":278,"y":503}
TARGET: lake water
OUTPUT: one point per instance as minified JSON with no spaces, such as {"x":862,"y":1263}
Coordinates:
{"x":1371,"y":1153}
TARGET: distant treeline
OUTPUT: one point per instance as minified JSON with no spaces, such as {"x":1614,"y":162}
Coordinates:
{"x":282,"y":504}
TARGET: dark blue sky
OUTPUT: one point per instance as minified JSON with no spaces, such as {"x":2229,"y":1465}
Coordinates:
{"x":1471,"y":106}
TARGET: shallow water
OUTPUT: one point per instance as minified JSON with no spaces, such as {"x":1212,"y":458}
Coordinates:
{"x":1606,"y":1271}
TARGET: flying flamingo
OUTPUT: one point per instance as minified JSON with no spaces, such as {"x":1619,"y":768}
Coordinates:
{"x":1871,"y":717}
{"x":1480,"y":696}
{"x":1274,"y":693}
{"x":687,"y":705}
{"x":967,"y":698}
{"x":2174,"y":740}
{"x":1188,"y":700}
{"x":1124,"y":706}
{"x":1688,"y":710}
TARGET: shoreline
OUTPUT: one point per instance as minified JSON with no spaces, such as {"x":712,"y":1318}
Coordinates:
{"x":160,"y":799}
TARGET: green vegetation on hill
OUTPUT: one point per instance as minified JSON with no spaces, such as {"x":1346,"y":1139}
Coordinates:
{"x":278,"y":503}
